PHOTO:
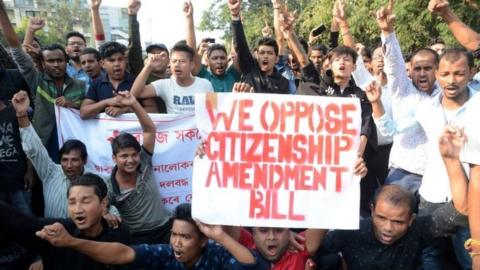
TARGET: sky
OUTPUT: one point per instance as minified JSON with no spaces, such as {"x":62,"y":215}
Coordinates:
{"x":162,"y":21}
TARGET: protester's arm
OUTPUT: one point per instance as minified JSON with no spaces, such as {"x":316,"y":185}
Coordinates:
{"x":334,"y":34}
{"x":384,"y":121}
{"x":103,"y":252}
{"x":191,"y":37}
{"x":244,"y":57}
{"x":282,"y":47}
{"x":91,"y":108}
{"x":451,"y":142}
{"x":7,"y":28}
{"x":397,"y":77}
{"x":340,"y":16}
{"x":31,"y":143}
{"x":126,"y":99}
{"x":286,"y":24}
{"x":464,"y":34}
{"x":34,"y":24}
{"x":139,"y":89}
{"x":474,"y":211}
{"x":23,"y":61}
{"x":216,"y":233}
{"x":362,"y":77}
{"x":20,"y":228}
{"x":97,"y":24}
{"x":313,"y":240}
{"x":135,"y":59}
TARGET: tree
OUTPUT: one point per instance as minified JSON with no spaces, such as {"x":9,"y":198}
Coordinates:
{"x":62,"y":17}
{"x":415,"y":25}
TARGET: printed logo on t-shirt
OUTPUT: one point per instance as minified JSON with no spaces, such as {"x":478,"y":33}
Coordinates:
{"x":7,"y":146}
{"x":183,"y":100}
{"x":330,"y":91}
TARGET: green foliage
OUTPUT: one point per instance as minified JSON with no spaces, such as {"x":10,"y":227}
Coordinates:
{"x":415,"y":26}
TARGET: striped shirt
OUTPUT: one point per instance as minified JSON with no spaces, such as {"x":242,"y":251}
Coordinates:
{"x":55,"y":182}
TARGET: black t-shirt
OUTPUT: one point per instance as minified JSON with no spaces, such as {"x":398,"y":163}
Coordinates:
{"x":361,"y":249}
{"x":21,"y":229}
{"x":12,"y":158}
{"x":11,"y":81}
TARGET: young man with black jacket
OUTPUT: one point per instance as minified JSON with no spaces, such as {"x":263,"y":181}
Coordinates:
{"x":260,"y":71}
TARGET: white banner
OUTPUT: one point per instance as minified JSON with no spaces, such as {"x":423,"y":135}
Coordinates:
{"x":277,"y":161}
{"x":176,"y":141}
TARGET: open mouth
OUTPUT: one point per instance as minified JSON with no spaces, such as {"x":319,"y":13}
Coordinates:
{"x":272,"y":250}
{"x":80,"y":220}
{"x":387,"y":238}
{"x":423,"y":82}
{"x":177,"y":254}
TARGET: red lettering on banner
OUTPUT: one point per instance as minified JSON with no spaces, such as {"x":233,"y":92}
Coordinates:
{"x":347,"y":109}
{"x":243,"y":115}
{"x":338,"y":177}
{"x":213,"y":172}
{"x":264,"y":205}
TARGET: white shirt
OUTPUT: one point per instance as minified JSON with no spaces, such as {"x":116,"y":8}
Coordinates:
{"x":179,"y":99}
{"x":363,"y":78}
{"x":471,"y":149}
{"x":431,"y":117}
{"x":408,"y":150}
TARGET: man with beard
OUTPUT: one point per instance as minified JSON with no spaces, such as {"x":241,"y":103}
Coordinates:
{"x":221,"y":76}
{"x":87,"y":201}
{"x":76,"y":43}
{"x":53,"y":87}
{"x":260,"y":71}
{"x":450,"y":106}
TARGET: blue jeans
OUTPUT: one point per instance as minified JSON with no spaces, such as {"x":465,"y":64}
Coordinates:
{"x":20,"y":200}
{"x":462,"y":255}
{"x":432,"y":255}
{"x":404,"y":179}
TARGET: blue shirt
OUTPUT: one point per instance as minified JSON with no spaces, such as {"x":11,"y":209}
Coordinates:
{"x":161,"y":256}
{"x":78,"y":74}
{"x":101,"y":88}
{"x":284,"y":69}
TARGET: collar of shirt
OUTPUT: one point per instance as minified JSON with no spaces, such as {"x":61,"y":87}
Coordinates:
{"x":126,"y":79}
{"x":79,"y":234}
{"x":437,"y":100}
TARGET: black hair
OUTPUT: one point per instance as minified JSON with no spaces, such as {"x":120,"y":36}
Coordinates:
{"x":125,"y":140}
{"x":216,"y":47}
{"x":436,"y":40}
{"x":320,"y":47}
{"x":453,"y":55}
{"x":90,"y":180}
{"x":53,"y":47}
{"x":407,"y":57}
{"x":427,"y":51}
{"x":93,"y":51}
{"x":366,"y":53}
{"x":344,"y":50}
{"x":70,"y":145}
{"x":110,"y":48}
{"x":184,"y":212}
{"x":397,"y":196}
{"x":267,"y":41}
{"x":181,"y":47}
{"x":75,"y":34}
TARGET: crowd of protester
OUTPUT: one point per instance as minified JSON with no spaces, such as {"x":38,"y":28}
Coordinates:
{"x":419,"y":156}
